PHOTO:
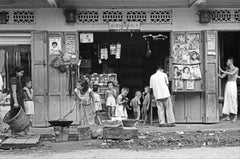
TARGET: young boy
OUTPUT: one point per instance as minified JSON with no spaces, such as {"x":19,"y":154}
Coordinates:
{"x":122,"y":100}
{"x":28,"y":100}
{"x":146,"y":103}
{"x":135,"y":104}
{"x":97,"y":101}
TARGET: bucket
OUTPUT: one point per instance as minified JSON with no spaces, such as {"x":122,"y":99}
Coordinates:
{"x":61,"y":133}
{"x":17,"y":119}
{"x":84,"y":133}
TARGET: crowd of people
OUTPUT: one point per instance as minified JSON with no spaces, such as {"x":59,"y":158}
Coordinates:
{"x":89,"y":102}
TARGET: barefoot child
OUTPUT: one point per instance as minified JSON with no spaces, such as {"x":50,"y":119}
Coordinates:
{"x":111,"y":99}
{"x":146,"y":103}
{"x":122,"y":103}
{"x":97,"y":100}
{"x":28,"y":99}
{"x":135,"y":104}
{"x":84,"y":101}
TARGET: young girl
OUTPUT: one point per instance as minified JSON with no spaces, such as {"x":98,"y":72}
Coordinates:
{"x":110,"y":99}
{"x":122,"y":103}
{"x":28,"y":99}
{"x":98,"y":104}
{"x":84,"y":98}
{"x":146,"y":103}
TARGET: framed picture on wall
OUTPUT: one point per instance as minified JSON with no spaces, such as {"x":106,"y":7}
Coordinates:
{"x":55,"y":45}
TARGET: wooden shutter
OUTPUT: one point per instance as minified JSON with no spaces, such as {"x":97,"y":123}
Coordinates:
{"x":211,"y":78}
{"x":39,"y":77}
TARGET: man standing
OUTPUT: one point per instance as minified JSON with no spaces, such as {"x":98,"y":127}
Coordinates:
{"x":230,"y":94}
{"x":159,"y":85}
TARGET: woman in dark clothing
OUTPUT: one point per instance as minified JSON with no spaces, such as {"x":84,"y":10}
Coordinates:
{"x":17,"y":93}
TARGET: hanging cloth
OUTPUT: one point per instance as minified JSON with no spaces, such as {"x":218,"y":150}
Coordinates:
{"x":2,"y":62}
{"x":149,"y":52}
{"x":70,"y":80}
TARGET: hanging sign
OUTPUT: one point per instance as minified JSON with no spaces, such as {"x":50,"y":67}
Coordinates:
{"x":86,"y":37}
{"x":70,"y":45}
{"x":124,"y":25}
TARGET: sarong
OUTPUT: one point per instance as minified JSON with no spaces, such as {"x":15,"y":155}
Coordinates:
{"x":230,"y":98}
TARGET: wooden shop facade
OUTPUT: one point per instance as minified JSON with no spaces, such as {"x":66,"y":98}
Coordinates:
{"x":108,"y":42}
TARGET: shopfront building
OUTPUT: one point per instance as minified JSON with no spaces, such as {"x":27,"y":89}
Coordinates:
{"x":189,"y":51}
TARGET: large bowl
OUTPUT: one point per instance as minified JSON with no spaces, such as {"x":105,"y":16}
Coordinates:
{"x":129,"y":122}
{"x":62,"y":123}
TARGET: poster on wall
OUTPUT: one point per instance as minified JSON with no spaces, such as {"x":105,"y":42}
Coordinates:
{"x":55,"y":45}
{"x":190,"y":84}
{"x":86,"y":37}
{"x":70,"y":45}
{"x":186,"y":60}
{"x":178,"y":84}
{"x":211,"y":41}
{"x":186,"y":72}
{"x":177,"y":71}
{"x":196,"y":72}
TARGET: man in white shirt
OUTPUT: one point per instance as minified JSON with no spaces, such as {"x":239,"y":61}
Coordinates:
{"x":159,"y":85}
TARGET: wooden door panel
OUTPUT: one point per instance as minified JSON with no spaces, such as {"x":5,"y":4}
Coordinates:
{"x":55,"y":81}
{"x":55,"y":107}
{"x":180,"y":109}
{"x":194,"y":107}
{"x":39,"y":78}
{"x":211,"y":77}
{"x":39,"y":116}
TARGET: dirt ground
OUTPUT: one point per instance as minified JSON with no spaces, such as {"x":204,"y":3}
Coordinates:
{"x":190,"y":153}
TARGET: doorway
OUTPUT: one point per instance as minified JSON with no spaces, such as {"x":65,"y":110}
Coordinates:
{"x":229,"y":47}
{"x":136,"y":64}
{"x":13,"y":56}
{"x":134,"y":67}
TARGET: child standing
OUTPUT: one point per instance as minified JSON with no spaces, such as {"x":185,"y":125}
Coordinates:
{"x":97,"y":101}
{"x":84,"y":100}
{"x":122,"y":103}
{"x":146,"y":103}
{"x":28,"y":99}
{"x":135,"y":104}
{"x":110,"y":99}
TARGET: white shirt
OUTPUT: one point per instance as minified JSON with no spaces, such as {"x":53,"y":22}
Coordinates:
{"x":1,"y":83}
{"x":159,"y":84}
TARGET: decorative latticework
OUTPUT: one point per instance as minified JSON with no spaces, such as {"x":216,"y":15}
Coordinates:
{"x":20,"y":16}
{"x":237,"y":15}
{"x":161,"y":16}
{"x":112,"y":16}
{"x":87,"y":16}
{"x":225,"y":15}
{"x":136,"y":16}
{"x":24,"y":17}
{"x":144,"y":16}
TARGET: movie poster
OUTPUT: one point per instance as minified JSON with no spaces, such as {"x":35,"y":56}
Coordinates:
{"x":186,"y":60}
{"x":55,"y":45}
{"x":196,"y":72}
{"x":70,"y":44}
{"x":190,"y":84}
{"x":178,"y":84}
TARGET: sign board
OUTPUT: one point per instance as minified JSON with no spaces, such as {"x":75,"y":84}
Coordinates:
{"x":124,"y":25}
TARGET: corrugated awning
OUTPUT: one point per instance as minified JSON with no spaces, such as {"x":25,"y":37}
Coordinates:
{"x":15,"y":38}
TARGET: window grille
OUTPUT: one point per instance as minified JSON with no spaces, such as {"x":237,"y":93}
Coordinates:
{"x":87,"y":16}
{"x":225,"y":15}
{"x":161,"y":16}
{"x":137,"y":16}
{"x":144,"y":16}
{"x":20,"y":16}
{"x":112,"y":16}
